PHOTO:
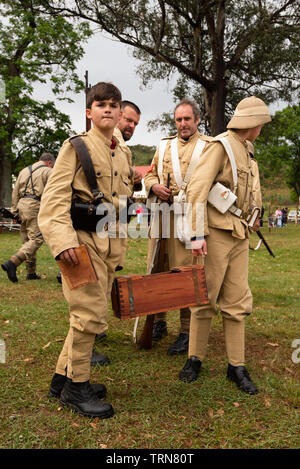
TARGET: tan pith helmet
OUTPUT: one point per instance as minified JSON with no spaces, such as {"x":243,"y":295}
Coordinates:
{"x":249,"y":113}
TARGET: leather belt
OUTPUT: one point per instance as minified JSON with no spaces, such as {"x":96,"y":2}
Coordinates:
{"x":30,"y":196}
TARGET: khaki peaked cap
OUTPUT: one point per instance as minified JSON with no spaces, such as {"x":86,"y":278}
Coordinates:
{"x":249,"y":113}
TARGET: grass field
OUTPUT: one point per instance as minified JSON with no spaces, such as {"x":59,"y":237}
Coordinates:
{"x":153,"y":409}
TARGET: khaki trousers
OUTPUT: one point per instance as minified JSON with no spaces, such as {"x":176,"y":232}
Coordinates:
{"x":88,"y":308}
{"x":31,"y":236}
{"x":226,"y":269}
{"x":176,"y":255}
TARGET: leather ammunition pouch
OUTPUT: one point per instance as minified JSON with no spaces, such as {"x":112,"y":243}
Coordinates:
{"x":84,"y":214}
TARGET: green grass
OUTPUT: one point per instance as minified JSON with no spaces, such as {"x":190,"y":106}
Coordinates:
{"x":153,"y":409}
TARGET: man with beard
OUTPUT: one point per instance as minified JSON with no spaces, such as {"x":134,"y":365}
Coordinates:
{"x":180,"y":153}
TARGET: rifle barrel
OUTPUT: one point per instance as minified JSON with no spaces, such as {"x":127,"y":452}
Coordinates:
{"x":260,"y":235}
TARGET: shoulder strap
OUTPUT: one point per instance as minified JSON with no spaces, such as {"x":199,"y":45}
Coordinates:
{"x":30,"y":178}
{"x":198,"y":149}
{"x":161,"y":153}
{"x":231,"y":157}
{"x":175,"y":162}
{"x":86,"y":163}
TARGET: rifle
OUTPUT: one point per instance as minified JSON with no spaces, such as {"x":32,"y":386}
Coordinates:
{"x":260,"y":235}
{"x":8,"y":214}
{"x":157,"y":265}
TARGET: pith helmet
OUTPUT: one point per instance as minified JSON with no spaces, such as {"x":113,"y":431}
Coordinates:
{"x":249,"y":113}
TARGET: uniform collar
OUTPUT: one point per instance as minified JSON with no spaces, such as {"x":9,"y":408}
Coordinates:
{"x":237,"y":137}
{"x":98,"y":134}
{"x":190,"y":139}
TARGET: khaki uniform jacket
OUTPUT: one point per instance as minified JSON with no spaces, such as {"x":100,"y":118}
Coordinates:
{"x":256,"y":190}
{"x":185,"y":151}
{"x":68,"y":181}
{"x":214,"y":166}
{"x":123,"y":146}
{"x":39,"y":178}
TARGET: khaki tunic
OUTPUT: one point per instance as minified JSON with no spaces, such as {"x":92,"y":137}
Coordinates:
{"x":215,"y":167}
{"x":177,"y":254}
{"x":127,"y":152}
{"x":27,"y":210}
{"x":88,"y":304}
{"x":256,"y":190}
{"x":226,"y":263}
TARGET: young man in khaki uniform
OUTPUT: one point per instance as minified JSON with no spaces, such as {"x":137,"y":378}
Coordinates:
{"x":129,"y":119}
{"x":87,"y":304}
{"x":26,"y":198}
{"x":187,"y":117}
{"x":225,"y":243}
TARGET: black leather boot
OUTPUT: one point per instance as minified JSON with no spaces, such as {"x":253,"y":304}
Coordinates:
{"x":100,"y":337}
{"x":33,"y":277}
{"x":58,"y":382}
{"x":10,"y":268}
{"x":191,"y":370}
{"x":81,"y":398}
{"x":181,"y":345}
{"x":240,"y":376}
{"x":159,"y":330}
{"x":99,"y":359}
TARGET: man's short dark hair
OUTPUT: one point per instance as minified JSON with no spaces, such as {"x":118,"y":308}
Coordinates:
{"x":103,"y":91}
{"x":132,"y":105}
{"x":47,"y":157}
{"x":193,"y":104}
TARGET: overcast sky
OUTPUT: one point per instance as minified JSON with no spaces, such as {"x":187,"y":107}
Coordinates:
{"x":109,"y":60}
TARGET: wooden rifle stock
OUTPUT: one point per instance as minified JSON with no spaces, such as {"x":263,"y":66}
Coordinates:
{"x":157,"y":265}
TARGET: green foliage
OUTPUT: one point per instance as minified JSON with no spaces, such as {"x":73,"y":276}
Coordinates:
{"x":142,"y":154}
{"x":220,"y":51}
{"x":278,"y":148}
{"x":35,"y":47}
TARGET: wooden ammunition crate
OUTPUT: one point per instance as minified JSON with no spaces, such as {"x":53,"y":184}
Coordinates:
{"x":139,"y":295}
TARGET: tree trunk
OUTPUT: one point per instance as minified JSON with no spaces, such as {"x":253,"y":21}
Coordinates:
{"x":217,"y":116}
{"x":5,"y":177}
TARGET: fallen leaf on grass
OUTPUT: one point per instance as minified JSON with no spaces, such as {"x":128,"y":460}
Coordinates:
{"x":220,"y":412}
{"x":58,"y":340}
{"x":93,"y":425}
{"x":127,"y":333}
{"x":272,"y":345}
{"x":76,"y":424}
{"x":267,"y":403}
{"x":236,"y":404}
{"x":27,"y":359}
{"x":288,"y":369}
{"x":47,"y":345}
{"x":210,"y":413}
{"x":103,"y":446}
